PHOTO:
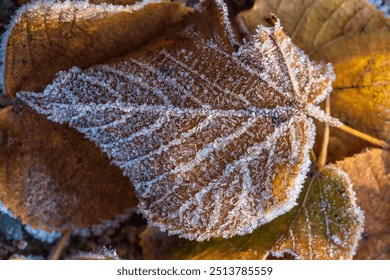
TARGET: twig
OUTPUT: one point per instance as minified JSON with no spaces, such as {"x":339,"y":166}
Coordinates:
{"x":325,"y":140}
{"x":372,"y":140}
{"x":57,"y":251}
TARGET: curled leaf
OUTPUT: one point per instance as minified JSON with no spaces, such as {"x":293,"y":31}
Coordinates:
{"x":216,"y":142}
{"x":326,"y":224}
{"x":48,"y":36}
{"x":53,"y":178}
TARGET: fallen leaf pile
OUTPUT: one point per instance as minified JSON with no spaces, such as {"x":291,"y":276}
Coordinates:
{"x":214,"y":135}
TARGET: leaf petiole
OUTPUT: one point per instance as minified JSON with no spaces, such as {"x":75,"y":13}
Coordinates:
{"x":357,"y":133}
{"x":317,"y":113}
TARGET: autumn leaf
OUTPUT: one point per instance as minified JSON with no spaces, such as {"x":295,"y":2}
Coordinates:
{"x":53,"y":178}
{"x":370,"y":174}
{"x":326,"y":224}
{"x":48,"y":36}
{"x":355,"y":37}
{"x":215,"y":146}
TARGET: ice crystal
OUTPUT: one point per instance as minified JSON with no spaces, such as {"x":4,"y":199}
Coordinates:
{"x":104,"y":254}
{"x":216,"y":143}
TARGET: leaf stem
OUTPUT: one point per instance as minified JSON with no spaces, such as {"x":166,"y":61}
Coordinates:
{"x":55,"y":255}
{"x":357,"y":133}
{"x":325,"y":140}
{"x":322,"y":116}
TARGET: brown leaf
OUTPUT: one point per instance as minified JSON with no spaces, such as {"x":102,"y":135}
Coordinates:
{"x":215,"y":142}
{"x":53,"y":178}
{"x":370,"y":175}
{"x":355,"y":37}
{"x":48,"y":36}
{"x":326,"y":224}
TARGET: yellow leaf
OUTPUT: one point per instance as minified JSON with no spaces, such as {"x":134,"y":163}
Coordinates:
{"x":370,"y":175}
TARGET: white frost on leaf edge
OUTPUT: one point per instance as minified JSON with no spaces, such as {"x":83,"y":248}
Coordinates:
{"x":36,"y":233}
{"x":50,"y":237}
{"x":57,"y":4}
{"x":281,"y":254}
{"x":223,"y":9}
{"x":3,"y":44}
{"x":102,"y":255}
{"x":355,"y":208}
{"x":99,"y":228}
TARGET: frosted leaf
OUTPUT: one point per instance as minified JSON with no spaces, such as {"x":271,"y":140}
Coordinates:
{"x":47,"y":36}
{"x":216,"y":143}
{"x":55,"y":180}
{"x":329,"y":223}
